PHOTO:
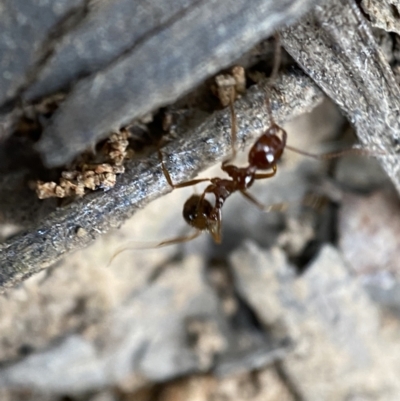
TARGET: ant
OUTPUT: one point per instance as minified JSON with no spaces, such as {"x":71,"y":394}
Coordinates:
{"x":263,"y":155}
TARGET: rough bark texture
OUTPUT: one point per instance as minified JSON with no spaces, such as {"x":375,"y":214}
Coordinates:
{"x":335,"y":46}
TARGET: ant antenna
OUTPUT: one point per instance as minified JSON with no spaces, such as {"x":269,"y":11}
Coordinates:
{"x":233,"y":128}
{"x":274,"y":74}
{"x":335,"y":155}
{"x":269,"y":111}
{"x":277,"y":57}
{"x":138,"y":246}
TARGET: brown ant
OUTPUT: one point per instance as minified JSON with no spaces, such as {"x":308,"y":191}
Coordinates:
{"x":267,"y":150}
{"x":263,"y":155}
{"x":198,"y":212}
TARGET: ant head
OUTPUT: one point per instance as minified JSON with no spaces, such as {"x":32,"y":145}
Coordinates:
{"x":268,"y":149}
{"x":200,"y":214}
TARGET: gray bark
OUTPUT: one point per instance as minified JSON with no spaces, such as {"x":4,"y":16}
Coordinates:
{"x":335,"y":46}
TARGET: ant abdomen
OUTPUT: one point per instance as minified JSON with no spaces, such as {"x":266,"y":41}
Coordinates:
{"x":268,"y":148}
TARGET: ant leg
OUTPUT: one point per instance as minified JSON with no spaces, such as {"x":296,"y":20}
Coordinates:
{"x":217,"y":235}
{"x":277,"y":57}
{"x":313,"y":201}
{"x":179,"y":240}
{"x":265,"y":208}
{"x":233,"y":130}
{"x":181,"y":185}
{"x":269,"y":110}
{"x":138,"y":246}
{"x":340,"y":153}
{"x":266,"y":175}
{"x":274,"y":74}
{"x":251,"y":198}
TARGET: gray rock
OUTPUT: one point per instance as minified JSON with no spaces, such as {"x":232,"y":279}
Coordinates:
{"x":340,"y":347}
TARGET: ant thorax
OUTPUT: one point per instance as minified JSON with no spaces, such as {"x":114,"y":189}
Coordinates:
{"x":241,"y":177}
